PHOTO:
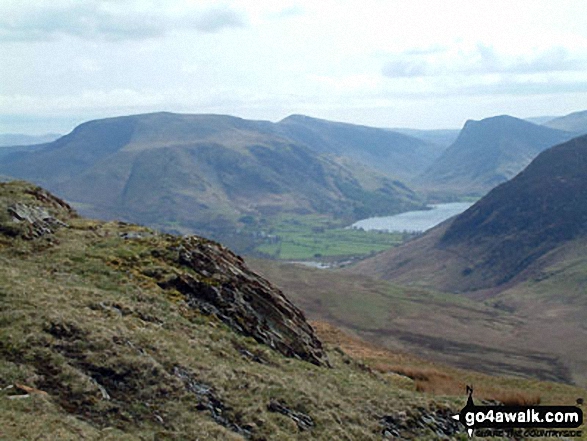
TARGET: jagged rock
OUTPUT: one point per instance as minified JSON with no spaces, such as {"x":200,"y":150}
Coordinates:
{"x":209,"y":401}
{"x":222,"y":285}
{"x":36,"y":217}
{"x":303,"y":421}
{"x":135,"y":234}
{"x":410,"y":425}
{"x":211,"y":277}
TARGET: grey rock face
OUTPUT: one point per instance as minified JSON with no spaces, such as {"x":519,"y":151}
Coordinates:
{"x":219,"y":283}
{"x":38,"y":218}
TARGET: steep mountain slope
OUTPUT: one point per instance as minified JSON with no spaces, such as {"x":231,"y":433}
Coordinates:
{"x":200,"y":173}
{"x":393,"y":153}
{"x":520,"y":251}
{"x":504,"y":234}
{"x":574,"y":122}
{"x":487,"y":153}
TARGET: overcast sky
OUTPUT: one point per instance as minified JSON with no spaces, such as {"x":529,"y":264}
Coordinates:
{"x":388,"y":63}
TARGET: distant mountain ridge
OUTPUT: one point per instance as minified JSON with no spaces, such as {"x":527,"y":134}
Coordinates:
{"x":18,"y":139}
{"x":504,"y":233}
{"x":201,"y":173}
{"x":440,"y":137}
{"x":487,"y":153}
{"x":520,"y":250}
{"x":390,"y":152}
{"x":575,"y":122}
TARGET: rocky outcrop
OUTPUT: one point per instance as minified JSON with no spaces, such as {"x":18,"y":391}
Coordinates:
{"x":39,"y":221}
{"x":209,"y":276}
{"x":35,"y":213}
{"x":302,"y":420}
{"x":420,"y":422}
{"x":218,"y":282}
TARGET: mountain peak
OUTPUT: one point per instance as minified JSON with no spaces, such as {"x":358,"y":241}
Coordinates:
{"x":487,"y":153}
{"x":505,"y":232}
{"x":498,"y":121}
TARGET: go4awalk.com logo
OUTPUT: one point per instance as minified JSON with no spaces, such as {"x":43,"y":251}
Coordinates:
{"x":520,"y":420}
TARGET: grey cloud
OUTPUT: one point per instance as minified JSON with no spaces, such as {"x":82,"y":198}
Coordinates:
{"x":552,"y":60}
{"x":216,"y":19}
{"x":402,"y":68}
{"x":520,"y":88}
{"x":483,"y":61}
{"x":488,"y":62}
{"x":89,"y":20}
{"x":556,"y":59}
{"x":506,"y":87}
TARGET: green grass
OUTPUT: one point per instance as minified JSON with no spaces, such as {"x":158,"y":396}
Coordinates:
{"x":83,"y":324}
{"x":76,"y":317}
{"x":100,"y":343}
{"x":316,"y":237}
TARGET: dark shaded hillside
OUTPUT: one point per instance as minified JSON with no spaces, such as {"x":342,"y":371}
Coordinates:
{"x":7,"y":152}
{"x":71,"y":154}
{"x":536,"y":211}
{"x":502,"y":234}
{"x":487,"y":153}
{"x":520,"y":250}
{"x":201,"y":173}
{"x":390,"y":152}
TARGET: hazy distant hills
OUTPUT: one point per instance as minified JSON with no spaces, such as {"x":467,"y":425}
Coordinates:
{"x":393,"y":153}
{"x":575,"y":122}
{"x":487,"y":153}
{"x":14,"y":139}
{"x":503,"y":234}
{"x":541,"y":119}
{"x":17,"y":143}
{"x":441,"y":137}
{"x":201,"y":173}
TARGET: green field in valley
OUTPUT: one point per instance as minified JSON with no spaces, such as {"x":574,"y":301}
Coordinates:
{"x":315,"y":237}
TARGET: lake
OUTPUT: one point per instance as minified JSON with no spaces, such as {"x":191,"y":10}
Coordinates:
{"x":414,"y":221}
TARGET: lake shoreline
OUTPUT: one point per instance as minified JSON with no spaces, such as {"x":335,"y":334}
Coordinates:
{"x":416,"y":221}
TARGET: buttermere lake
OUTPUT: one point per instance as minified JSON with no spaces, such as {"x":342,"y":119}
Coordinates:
{"x":414,"y":221}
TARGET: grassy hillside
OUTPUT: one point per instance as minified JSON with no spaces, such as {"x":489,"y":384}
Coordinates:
{"x":519,"y":250}
{"x":100,"y":340}
{"x":390,"y":152}
{"x":203,"y":173}
{"x":537,"y":336}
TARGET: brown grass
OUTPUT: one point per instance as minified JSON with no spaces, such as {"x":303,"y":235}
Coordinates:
{"x":516,"y":398}
{"x":436,"y":379}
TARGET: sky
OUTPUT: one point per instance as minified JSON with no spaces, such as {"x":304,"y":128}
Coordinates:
{"x":386,"y":63}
